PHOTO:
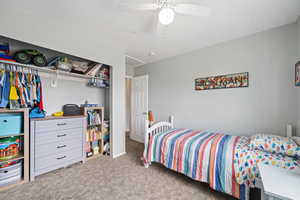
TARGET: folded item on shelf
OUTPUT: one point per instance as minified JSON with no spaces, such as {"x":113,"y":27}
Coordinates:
{"x":93,"y":70}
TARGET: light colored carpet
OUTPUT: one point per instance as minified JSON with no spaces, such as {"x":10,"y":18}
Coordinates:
{"x":113,"y":179}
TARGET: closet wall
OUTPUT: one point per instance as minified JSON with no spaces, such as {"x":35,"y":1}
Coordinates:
{"x":69,"y":89}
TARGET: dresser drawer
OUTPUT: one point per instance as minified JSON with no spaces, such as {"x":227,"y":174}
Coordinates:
{"x":57,"y":160}
{"x":43,"y":150}
{"x":54,"y":167}
{"x":58,"y":136}
{"x":58,"y":124}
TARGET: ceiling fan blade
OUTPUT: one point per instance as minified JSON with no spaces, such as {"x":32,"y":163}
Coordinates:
{"x":139,"y":6}
{"x":192,"y":9}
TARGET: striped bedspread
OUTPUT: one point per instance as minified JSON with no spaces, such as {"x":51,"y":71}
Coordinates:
{"x":201,"y":155}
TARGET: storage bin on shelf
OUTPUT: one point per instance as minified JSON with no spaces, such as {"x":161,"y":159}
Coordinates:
{"x":9,"y":147}
{"x":10,"y":172}
{"x":11,"y":124}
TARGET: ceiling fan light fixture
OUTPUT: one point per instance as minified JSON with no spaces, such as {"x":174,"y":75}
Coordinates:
{"x":166,"y":16}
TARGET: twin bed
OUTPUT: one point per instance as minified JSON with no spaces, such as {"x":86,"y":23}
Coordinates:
{"x":223,"y":161}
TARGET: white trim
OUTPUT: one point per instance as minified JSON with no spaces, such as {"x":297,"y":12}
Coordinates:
{"x":136,"y":138}
{"x":130,"y":77}
{"x":133,"y":58}
{"x":118,"y":155}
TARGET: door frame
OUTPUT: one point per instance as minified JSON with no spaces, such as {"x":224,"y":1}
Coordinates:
{"x":130,"y":110}
{"x":133,"y":136}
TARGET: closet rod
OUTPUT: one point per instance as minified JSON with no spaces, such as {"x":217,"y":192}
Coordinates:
{"x":47,"y":70}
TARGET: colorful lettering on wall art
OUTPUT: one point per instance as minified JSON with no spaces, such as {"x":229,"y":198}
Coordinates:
{"x":223,"y":81}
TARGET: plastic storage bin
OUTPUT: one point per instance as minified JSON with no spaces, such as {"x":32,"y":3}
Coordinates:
{"x":11,"y":124}
{"x":11,"y":174}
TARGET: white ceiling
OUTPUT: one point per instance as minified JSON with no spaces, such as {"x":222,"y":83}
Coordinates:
{"x":230,"y":19}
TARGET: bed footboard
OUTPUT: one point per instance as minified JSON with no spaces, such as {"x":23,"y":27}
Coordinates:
{"x":156,"y":128}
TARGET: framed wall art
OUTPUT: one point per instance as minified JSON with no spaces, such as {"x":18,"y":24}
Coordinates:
{"x":237,"y":80}
{"x":297,"y":74}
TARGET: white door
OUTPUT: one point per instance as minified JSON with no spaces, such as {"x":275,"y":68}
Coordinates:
{"x":139,"y":106}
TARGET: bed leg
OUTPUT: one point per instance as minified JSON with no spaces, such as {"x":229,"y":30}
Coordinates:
{"x":146,"y":164}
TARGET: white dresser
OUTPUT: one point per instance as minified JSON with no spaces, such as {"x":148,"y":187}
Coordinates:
{"x":56,"y":143}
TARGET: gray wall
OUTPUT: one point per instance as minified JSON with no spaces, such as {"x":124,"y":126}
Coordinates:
{"x":129,"y":70}
{"x":266,"y":106}
{"x":298,"y":88}
{"x":69,"y":91}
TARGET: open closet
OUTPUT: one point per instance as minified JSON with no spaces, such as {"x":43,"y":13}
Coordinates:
{"x":54,"y":111}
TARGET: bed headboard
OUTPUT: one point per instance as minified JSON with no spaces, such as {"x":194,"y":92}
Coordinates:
{"x":157,"y":127}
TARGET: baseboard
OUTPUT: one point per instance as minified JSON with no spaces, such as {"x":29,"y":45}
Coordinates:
{"x":120,"y":154}
{"x":136,"y":138}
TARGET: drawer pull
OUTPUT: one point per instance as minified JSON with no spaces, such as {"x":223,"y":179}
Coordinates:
{"x":63,"y":135}
{"x":61,"y":157}
{"x":62,"y":146}
{"x":62,"y":124}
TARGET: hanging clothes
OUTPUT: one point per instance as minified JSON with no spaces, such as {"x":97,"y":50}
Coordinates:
{"x":2,"y":76}
{"x":5,"y":91}
{"x":26,"y":89}
{"x":19,"y":89}
{"x":40,"y":93}
{"x":33,"y":95}
{"x":29,"y":89}
{"x":13,"y":95}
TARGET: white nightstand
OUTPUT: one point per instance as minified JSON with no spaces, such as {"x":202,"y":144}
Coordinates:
{"x":279,"y":183}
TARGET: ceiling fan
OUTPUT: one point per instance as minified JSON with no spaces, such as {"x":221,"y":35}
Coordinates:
{"x":166,"y":9}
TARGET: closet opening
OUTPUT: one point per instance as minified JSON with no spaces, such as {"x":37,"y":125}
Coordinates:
{"x":52,"y":87}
